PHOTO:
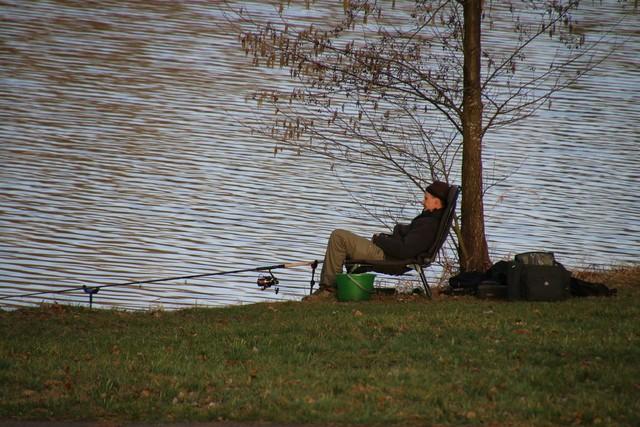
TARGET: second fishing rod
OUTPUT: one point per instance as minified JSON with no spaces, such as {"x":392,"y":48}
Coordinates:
{"x":263,"y":281}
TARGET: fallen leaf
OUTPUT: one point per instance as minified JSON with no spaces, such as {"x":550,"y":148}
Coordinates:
{"x":28,"y":393}
{"x":362,"y":388}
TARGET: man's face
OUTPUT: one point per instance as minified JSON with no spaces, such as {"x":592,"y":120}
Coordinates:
{"x":431,"y":202}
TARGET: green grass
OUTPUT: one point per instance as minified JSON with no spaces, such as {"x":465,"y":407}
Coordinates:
{"x":453,"y":361}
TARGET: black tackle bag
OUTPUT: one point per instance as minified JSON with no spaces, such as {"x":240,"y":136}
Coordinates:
{"x":536,"y":276}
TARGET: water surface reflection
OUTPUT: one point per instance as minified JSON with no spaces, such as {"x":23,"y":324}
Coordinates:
{"x":124,"y":158}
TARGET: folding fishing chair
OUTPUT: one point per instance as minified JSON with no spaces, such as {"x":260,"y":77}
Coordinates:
{"x":420,"y":262}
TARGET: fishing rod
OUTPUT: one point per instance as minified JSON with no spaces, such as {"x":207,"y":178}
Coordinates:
{"x":263,"y":281}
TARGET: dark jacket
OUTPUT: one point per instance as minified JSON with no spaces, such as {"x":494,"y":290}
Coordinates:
{"x":410,"y":240}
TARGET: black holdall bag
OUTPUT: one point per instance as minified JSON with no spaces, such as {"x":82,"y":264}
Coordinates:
{"x":536,"y":276}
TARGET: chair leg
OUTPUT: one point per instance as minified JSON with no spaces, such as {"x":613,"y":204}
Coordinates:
{"x":423,"y":278}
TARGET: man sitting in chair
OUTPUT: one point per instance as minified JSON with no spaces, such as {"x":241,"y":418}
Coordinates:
{"x":406,"y":241}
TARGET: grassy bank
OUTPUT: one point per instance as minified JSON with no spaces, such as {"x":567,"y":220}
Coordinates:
{"x":450,"y":361}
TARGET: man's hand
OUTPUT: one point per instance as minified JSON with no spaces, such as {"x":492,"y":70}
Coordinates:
{"x":375,"y":236}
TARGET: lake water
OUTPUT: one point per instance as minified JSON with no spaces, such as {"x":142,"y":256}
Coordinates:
{"x":124,"y":158}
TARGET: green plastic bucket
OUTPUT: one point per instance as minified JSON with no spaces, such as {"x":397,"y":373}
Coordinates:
{"x":355,"y":287}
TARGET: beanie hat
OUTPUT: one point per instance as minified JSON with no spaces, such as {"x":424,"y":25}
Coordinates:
{"x":440,"y":190}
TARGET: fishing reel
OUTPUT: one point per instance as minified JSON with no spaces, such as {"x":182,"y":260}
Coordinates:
{"x":265,"y":281}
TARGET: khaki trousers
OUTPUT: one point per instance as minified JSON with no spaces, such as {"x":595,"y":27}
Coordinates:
{"x":344,"y":244}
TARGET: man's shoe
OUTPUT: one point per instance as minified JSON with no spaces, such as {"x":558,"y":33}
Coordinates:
{"x":321,"y":294}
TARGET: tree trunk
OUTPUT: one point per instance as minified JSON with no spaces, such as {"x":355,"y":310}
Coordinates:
{"x":474,"y":250}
